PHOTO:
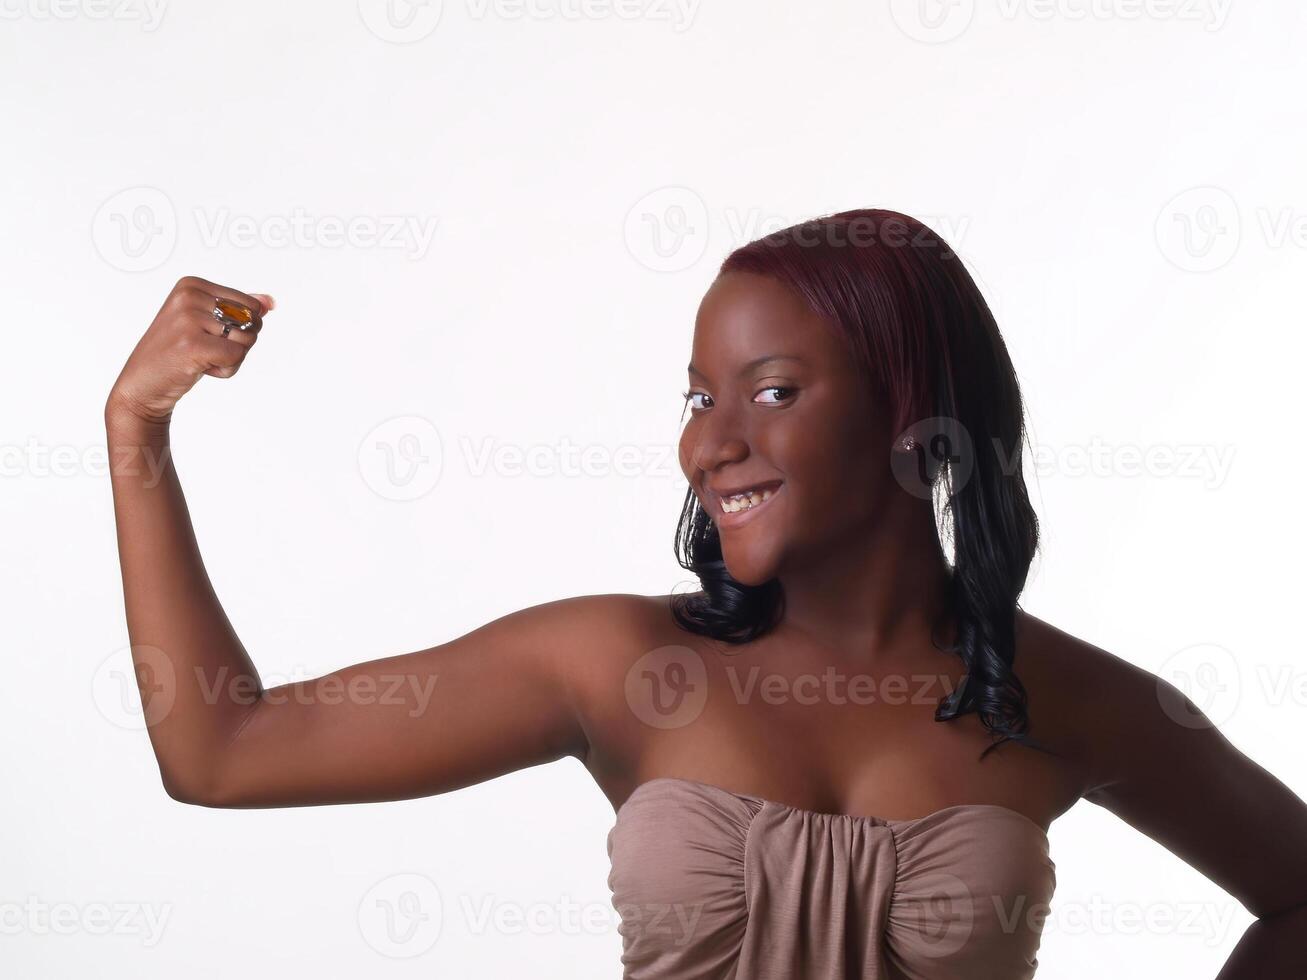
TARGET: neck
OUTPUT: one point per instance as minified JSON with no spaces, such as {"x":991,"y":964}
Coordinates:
{"x":882,"y":582}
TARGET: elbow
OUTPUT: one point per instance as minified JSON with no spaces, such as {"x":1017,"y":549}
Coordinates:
{"x":194,"y":791}
{"x":185,"y":793}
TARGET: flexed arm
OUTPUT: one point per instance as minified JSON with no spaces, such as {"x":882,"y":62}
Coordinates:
{"x":181,"y":638}
{"x":498,"y":699}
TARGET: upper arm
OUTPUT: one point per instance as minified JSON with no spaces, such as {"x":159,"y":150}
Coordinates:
{"x":500,"y":698}
{"x":1161,"y":765}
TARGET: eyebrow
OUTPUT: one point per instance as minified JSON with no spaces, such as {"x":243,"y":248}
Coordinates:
{"x":757,"y":362}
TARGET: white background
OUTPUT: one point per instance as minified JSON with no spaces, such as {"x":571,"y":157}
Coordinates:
{"x":1125,"y":180}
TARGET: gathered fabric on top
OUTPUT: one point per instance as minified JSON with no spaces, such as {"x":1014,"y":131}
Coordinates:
{"x":713,"y":884}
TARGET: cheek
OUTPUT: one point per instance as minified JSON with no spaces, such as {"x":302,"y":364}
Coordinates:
{"x":832,"y":468}
{"x":685,"y":452}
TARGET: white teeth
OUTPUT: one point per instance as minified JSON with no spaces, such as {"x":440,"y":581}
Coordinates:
{"x":744,"y":501}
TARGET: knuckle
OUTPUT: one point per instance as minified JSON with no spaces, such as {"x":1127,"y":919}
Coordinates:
{"x":181,"y":300}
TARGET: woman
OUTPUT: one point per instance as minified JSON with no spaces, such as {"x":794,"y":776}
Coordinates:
{"x":839,"y":758}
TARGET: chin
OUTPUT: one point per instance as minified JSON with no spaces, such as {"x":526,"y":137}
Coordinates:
{"x":751,"y":570}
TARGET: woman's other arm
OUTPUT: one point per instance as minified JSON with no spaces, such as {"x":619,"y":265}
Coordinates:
{"x":1154,"y":759}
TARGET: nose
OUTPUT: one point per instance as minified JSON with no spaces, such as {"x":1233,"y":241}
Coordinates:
{"x":713,"y":442}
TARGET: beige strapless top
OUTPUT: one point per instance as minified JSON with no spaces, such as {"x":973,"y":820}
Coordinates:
{"x":711,"y":884}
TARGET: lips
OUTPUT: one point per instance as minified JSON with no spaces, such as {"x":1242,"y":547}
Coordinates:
{"x":725,"y":519}
{"x":724,"y":492}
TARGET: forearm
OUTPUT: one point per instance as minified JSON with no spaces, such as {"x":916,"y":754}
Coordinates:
{"x":196,"y":680}
{"x":1272,"y":948}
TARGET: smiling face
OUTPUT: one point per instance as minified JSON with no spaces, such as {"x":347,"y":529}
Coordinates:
{"x":777,"y":404}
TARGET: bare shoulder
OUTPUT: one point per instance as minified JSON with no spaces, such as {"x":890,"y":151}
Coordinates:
{"x":604,"y":635}
{"x":1153,"y":758}
{"x":1078,"y":694}
{"x":1061,"y":662}
{"x":608,"y":630}
{"x":618,"y":630}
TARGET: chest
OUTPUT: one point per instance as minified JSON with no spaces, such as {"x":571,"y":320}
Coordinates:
{"x":822,"y":732}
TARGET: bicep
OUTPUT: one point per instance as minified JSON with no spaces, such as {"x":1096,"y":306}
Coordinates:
{"x":495,"y":700}
{"x":1165,"y":769}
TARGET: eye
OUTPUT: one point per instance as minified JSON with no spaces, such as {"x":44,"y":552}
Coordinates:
{"x":690,"y":395}
{"x":777,"y":388}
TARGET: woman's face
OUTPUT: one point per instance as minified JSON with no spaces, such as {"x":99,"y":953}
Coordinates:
{"x":776,"y":404}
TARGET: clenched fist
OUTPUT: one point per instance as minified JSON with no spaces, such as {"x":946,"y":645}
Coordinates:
{"x":184,"y":342}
